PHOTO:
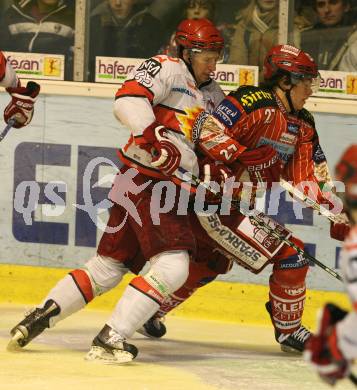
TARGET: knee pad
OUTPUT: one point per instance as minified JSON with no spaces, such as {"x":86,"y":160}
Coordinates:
{"x":104,"y":273}
{"x":290,"y":268}
{"x":170,"y":268}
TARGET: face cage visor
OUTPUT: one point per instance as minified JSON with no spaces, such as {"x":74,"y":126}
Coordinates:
{"x":315,"y":81}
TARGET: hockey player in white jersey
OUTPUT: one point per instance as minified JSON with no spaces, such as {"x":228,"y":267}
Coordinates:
{"x":21,"y":107}
{"x":158,"y":103}
{"x":334,"y":346}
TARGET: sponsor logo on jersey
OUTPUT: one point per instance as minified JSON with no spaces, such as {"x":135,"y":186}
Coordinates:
{"x":184,"y":91}
{"x":288,"y":138}
{"x":318,"y":155}
{"x":285,"y":151}
{"x":197,"y":127}
{"x":147,"y":71}
{"x":293,"y":128}
{"x":252,"y":97}
{"x":151,"y":66}
{"x":227,"y":113}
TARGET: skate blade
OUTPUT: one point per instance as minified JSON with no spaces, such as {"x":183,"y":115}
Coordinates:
{"x":290,"y":350}
{"x":13,"y":345}
{"x":99,"y":355}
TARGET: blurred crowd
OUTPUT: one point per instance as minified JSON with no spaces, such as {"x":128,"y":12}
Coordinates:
{"x":327,"y":29}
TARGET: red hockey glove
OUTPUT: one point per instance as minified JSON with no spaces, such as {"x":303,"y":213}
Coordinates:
{"x":339,"y":231}
{"x":21,"y":106}
{"x":166,"y":155}
{"x":321,"y":350}
{"x":263,"y":165}
{"x":214,"y":171}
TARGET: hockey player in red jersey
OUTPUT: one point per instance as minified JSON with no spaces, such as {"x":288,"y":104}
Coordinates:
{"x":156,"y":102}
{"x":271,"y":137}
{"x":333,"y":347}
{"x":21,"y":107}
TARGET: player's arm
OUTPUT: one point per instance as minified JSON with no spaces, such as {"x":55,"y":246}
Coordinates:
{"x":149,"y":84}
{"x":8,"y":77}
{"x":301,"y":171}
{"x":219,"y":139}
{"x":21,"y":107}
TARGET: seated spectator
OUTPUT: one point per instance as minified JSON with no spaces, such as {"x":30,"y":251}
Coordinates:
{"x":123,"y":28}
{"x":39,"y":26}
{"x":256,"y":32}
{"x":328,"y":40}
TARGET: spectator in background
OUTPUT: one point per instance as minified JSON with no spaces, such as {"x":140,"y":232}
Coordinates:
{"x":123,"y":28}
{"x":199,"y":9}
{"x":194,"y":9}
{"x":328,"y":40}
{"x":40,"y":26}
{"x":255,"y":33}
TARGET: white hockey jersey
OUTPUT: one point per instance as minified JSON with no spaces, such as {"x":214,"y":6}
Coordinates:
{"x":163,"y":90}
{"x":8,"y":77}
{"x":346,"y":329}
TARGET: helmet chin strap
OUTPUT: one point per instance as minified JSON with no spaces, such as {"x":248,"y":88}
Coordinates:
{"x":189,"y":65}
{"x":290,"y":102}
{"x":287,"y":93}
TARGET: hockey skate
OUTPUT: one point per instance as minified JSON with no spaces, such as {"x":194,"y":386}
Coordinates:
{"x":110,"y":348}
{"x":34,"y":323}
{"x":293,"y":342}
{"x":154,"y":328}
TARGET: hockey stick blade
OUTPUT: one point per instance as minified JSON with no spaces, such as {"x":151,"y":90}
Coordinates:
{"x":254,"y":214}
{"x":7,"y":129}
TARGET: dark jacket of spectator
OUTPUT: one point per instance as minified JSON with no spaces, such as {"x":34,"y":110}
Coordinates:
{"x":324,"y":44}
{"x":25,"y":29}
{"x":139,"y":35}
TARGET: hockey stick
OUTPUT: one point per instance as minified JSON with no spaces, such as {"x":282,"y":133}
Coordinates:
{"x":255,"y":216}
{"x":310,"y":202}
{"x":7,"y":129}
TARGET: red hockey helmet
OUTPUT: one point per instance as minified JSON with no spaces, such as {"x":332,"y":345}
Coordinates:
{"x":346,"y":171}
{"x":199,"y":34}
{"x":286,"y":59}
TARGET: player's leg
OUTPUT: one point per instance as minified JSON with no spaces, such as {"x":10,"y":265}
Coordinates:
{"x":287,"y":298}
{"x":167,"y":245}
{"x":209,"y":263}
{"x":99,"y":275}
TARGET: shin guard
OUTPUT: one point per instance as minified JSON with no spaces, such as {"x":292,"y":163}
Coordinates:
{"x":287,"y":292}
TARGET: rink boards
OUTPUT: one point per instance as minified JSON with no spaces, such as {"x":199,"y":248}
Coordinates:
{"x":52,"y":154}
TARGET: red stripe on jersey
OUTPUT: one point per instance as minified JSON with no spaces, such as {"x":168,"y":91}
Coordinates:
{"x":133,"y":88}
{"x":167,"y":117}
{"x":2,"y":65}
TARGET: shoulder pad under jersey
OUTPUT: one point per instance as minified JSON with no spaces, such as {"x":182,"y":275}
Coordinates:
{"x":252,"y":98}
{"x":306,"y":116}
